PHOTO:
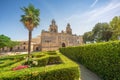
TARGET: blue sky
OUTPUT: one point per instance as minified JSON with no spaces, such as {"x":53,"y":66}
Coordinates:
{"x":81,"y":14}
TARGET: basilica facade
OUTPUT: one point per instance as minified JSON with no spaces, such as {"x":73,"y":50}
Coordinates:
{"x":49,"y":40}
{"x":53,"y":40}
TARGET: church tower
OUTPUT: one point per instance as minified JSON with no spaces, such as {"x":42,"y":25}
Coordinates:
{"x":53,"y":27}
{"x":68,"y":29}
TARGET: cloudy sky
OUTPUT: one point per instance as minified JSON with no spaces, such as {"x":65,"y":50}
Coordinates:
{"x":81,"y":14}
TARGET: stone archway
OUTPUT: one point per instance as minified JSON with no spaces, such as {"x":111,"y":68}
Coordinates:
{"x":37,"y":48}
{"x":63,"y":45}
{"x":24,"y":48}
{"x":11,"y":49}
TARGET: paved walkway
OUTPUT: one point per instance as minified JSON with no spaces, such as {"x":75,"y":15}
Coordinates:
{"x":87,"y":74}
{"x":12,"y":53}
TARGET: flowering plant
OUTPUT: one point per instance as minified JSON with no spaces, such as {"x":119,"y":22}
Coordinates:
{"x":20,"y":67}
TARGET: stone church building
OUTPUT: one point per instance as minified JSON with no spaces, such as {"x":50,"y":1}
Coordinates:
{"x":50,"y":40}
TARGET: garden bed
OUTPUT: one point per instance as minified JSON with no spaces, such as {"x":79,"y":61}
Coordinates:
{"x":40,"y":68}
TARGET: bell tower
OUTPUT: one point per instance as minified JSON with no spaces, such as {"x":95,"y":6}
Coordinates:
{"x":53,"y":27}
{"x":68,"y":29}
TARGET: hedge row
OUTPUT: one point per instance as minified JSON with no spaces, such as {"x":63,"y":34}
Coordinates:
{"x":44,"y":61}
{"x":9,"y":62}
{"x":101,"y":58}
{"x":60,"y":73}
{"x":63,"y":71}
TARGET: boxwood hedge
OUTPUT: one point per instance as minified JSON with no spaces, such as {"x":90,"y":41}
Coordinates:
{"x":101,"y":58}
{"x":47,"y":69}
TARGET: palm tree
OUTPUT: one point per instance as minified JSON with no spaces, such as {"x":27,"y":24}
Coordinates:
{"x":30,"y":19}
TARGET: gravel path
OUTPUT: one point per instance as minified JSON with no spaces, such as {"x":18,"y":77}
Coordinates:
{"x":87,"y":74}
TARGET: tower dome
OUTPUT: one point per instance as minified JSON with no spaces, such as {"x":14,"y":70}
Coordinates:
{"x":68,"y":29}
{"x":53,"y":27}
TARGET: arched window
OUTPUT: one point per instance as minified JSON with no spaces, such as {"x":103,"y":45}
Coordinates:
{"x":37,"y":48}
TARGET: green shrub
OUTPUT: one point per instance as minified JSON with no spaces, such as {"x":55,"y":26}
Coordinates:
{"x":47,"y":60}
{"x":54,"y":60}
{"x":67,"y":73}
{"x":38,"y":62}
{"x":102,"y":58}
{"x":10,"y":67}
{"x":42,"y":61}
{"x":51,"y":53}
{"x":1,"y":62}
{"x":7,"y":63}
{"x":9,"y":60}
{"x":38,"y":54}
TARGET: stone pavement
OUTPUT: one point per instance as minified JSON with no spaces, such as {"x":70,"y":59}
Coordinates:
{"x":87,"y":74}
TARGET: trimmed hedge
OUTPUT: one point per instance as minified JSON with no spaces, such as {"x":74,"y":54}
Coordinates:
{"x":38,"y":62}
{"x":44,"y":61}
{"x":101,"y":58}
{"x":10,"y":62}
{"x":62,"y":71}
{"x":38,"y":54}
{"x":51,"y":53}
{"x":7,"y":63}
{"x":54,"y":60}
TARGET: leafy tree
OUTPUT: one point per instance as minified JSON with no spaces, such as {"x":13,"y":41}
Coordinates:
{"x":13,"y":43}
{"x":88,"y":37}
{"x":115,"y":25}
{"x":5,"y":41}
{"x":102,"y":32}
{"x":30,"y":19}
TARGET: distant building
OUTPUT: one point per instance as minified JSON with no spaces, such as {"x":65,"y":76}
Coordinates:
{"x":50,"y":40}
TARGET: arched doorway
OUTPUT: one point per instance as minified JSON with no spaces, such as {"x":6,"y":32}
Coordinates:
{"x":3,"y":49}
{"x":63,"y":45}
{"x":37,"y":48}
{"x":11,"y":49}
{"x":24,"y":48}
{"x":18,"y":48}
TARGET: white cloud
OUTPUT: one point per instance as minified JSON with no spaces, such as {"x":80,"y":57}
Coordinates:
{"x":94,"y":3}
{"x":111,"y":7}
{"x":85,"y":22}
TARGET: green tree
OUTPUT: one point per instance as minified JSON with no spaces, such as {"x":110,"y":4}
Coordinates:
{"x":115,"y":25}
{"x":5,"y":41}
{"x":88,"y":37}
{"x":102,"y":32}
{"x":30,"y":19}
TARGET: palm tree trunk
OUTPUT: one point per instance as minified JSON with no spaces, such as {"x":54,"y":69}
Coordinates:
{"x":29,"y":45}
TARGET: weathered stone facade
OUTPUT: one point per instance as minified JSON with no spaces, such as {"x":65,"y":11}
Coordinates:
{"x":50,"y":40}
{"x":22,"y":47}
